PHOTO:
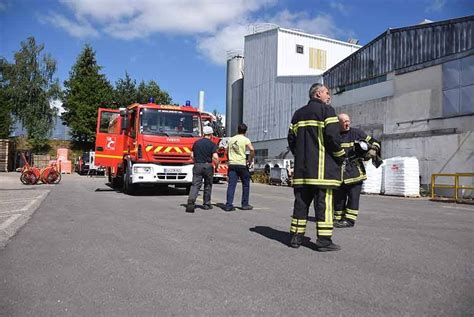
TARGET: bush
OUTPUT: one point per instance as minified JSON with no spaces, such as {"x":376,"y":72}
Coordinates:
{"x":260,"y":177}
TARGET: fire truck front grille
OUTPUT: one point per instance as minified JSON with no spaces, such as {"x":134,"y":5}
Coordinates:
{"x":171,"y":176}
{"x":185,"y":159}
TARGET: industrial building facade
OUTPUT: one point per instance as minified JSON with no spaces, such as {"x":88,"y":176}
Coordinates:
{"x":413,"y":88}
{"x":280,"y":66}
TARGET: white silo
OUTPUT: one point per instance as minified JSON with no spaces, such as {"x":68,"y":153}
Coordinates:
{"x":234,"y":92}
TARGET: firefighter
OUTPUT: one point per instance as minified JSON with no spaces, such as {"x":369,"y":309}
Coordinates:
{"x":346,"y":198}
{"x":314,"y":140}
{"x":204,"y":152}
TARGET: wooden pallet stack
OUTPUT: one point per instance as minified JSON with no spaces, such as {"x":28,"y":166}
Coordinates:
{"x":4,"y":154}
{"x":41,"y":161}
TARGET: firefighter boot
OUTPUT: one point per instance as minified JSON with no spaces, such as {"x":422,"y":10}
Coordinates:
{"x":296,"y":240}
{"x":190,"y":207}
{"x":324,"y":245}
{"x":345,"y":223}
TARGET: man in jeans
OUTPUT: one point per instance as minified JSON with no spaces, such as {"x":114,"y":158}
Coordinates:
{"x":204,"y":152}
{"x":238,"y":167}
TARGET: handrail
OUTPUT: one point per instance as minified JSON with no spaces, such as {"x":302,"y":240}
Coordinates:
{"x":456,"y":185}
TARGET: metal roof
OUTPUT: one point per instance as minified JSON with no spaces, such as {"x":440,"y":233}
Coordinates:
{"x":405,"y":49}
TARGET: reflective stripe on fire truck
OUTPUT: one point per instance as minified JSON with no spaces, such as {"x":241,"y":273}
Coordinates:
{"x":168,"y":149}
{"x":148,"y":148}
{"x":109,"y":156}
{"x":158,"y":149}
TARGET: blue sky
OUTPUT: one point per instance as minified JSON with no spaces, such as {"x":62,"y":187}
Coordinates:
{"x":182,"y":44}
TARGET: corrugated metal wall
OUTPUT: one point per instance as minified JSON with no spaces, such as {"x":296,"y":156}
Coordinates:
{"x":398,"y":49}
{"x":259,"y":81}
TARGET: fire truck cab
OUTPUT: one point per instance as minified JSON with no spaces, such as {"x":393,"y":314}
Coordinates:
{"x":147,"y":144}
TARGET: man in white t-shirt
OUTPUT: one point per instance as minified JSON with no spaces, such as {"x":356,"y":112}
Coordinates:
{"x":238,"y":167}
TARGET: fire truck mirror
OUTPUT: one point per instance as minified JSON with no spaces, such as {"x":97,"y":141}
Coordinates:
{"x":125,"y":123}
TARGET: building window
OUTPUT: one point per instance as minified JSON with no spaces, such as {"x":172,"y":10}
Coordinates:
{"x":458,"y":87}
{"x":299,"y":49}
{"x":261,"y":155}
{"x":317,"y":58}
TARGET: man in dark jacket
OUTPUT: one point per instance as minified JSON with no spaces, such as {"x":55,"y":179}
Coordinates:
{"x":346,"y":198}
{"x":314,"y":140}
{"x":204,"y":152}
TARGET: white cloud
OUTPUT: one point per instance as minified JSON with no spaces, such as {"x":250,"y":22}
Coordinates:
{"x":140,"y":18}
{"x":231,"y":37}
{"x":217,"y":25}
{"x":80,"y":29}
{"x":339,"y":7}
{"x":57,"y":105}
{"x":216,"y":46}
{"x":435,"y":5}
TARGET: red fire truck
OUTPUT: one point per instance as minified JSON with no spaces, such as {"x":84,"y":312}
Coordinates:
{"x":221,"y":172}
{"x":147,"y":144}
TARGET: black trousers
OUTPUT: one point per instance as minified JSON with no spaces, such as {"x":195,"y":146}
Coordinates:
{"x":346,"y":202}
{"x":201,"y":171}
{"x":323,"y":209}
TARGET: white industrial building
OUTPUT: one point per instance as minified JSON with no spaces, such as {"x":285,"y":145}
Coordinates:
{"x":280,"y":66}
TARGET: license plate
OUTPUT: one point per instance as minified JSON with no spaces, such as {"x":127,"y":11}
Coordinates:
{"x":172,"y":170}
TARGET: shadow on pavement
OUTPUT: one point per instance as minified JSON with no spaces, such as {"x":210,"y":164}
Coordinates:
{"x":146,"y":191}
{"x":280,"y":236}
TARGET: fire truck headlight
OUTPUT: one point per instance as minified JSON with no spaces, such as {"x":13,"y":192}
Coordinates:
{"x":141,"y":170}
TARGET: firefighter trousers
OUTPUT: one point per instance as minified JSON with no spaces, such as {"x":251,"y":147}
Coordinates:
{"x":346,"y":202}
{"x":323,"y":209}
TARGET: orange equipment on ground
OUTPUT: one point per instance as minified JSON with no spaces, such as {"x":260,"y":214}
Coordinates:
{"x":62,"y":158}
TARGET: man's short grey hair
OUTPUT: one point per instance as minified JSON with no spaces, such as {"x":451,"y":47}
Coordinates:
{"x":314,"y":88}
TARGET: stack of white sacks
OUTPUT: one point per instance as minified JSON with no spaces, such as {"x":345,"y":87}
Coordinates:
{"x":402,"y":176}
{"x":373,"y":183}
{"x":398,"y":176}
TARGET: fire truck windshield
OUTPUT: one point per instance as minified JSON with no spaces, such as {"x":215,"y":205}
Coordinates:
{"x":169,"y":123}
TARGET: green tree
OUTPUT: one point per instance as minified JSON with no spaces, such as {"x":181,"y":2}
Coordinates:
{"x":125,"y":92}
{"x":30,"y":90}
{"x":152,"y":90}
{"x":218,"y":127}
{"x":6,"y":107}
{"x":86,"y":90}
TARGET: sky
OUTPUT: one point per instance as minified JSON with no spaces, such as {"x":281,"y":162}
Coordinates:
{"x":183,"y":44}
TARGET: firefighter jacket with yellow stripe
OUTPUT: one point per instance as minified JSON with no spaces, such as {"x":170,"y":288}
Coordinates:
{"x":314,"y":140}
{"x":354,"y":172}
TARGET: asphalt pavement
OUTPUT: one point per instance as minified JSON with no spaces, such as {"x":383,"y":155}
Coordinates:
{"x":91,"y":250}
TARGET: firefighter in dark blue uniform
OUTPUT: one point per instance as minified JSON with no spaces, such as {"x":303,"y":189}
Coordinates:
{"x":313,"y":139}
{"x":346,"y":198}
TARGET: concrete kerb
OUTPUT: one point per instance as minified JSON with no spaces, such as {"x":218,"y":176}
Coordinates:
{"x":18,"y":202}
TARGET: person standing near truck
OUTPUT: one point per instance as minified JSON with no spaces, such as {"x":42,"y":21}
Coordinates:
{"x":203,"y":153}
{"x":239,"y":167}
